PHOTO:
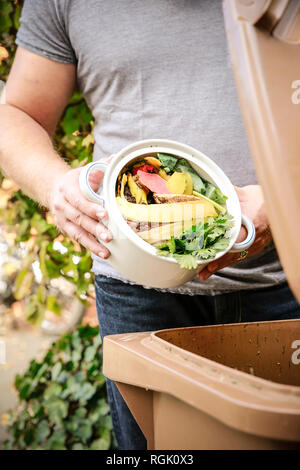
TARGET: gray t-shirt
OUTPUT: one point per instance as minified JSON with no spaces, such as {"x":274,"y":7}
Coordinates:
{"x":155,"y":69}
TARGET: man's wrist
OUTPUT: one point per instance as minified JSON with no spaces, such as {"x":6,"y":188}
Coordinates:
{"x":54,"y":180}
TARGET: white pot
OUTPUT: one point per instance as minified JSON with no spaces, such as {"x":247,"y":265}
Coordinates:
{"x":131,"y":256}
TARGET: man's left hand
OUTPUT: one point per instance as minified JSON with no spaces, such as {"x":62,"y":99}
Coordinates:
{"x":252,"y":205}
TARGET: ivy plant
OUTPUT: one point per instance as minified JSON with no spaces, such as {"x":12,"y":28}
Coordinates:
{"x":62,"y":399}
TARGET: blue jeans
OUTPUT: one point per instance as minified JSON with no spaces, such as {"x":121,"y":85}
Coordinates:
{"x":125,"y":308}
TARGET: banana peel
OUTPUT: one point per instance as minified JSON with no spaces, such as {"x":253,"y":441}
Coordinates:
{"x":123,"y":184}
{"x":166,"y":231}
{"x":166,"y":213}
{"x":138,"y":193}
{"x":153,"y":161}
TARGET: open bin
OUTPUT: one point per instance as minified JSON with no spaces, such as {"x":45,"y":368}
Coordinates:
{"x":234,"y":386}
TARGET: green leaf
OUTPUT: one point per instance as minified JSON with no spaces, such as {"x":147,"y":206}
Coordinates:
{"x":54,"y":389}
{"x":17,"y":15}
{"x":85,"y":263}
{"x":186,"y":261}
{"x":168,"y":161}
{"x":23,"y":284}
{"x":41,"y":294}
{"x":75,"y":118}
{"x":84,"y":431}
{"x":56,"y":370}
{"x":213,"y":193}
{"x":219,"y":208}
{"x":43,"y":430}
{"x":81,"y":412}
{"x":204,"y":254}
{"x":6,"y":9}
{"x":88,"y":331}
{"x":104,"y":422}
{"x":102,"y":407}
{"x":56,"y":441}
{"x":34,"y":311}
{"x":213,"y":234}
{"x":57,"y":409}
{"x":23,"y":230}
{"x":68,"y":414}
{"x":24,"y":389}
{"x":52,"y":270}
{"x":82,"y":284}
{"x":53,"y":305}
{"x":28,"y":437}
{"x":78,"y":446}
{"x":90,"y":353}
{"x":42,"y":257}
{"x":86,"y":391}
{"x":99,"y":414}
{"x":80,"y":428}
{"x":37,"y":408}
{"x":221,"y":244}
{"x":100,"y":444}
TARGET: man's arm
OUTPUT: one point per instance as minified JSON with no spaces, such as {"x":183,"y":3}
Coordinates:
{"x":37,"y":91}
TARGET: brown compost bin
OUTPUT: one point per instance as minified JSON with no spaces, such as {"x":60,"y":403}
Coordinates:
{"x":234,"y":386}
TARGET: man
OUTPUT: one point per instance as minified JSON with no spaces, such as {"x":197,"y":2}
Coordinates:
{"x":157,"y":69}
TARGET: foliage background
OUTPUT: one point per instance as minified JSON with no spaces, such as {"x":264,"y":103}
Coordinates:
{"x":62,"y":398}
{"x":31,"y":225}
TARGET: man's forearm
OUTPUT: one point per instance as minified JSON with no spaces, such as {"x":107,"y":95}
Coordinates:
{"x":27,"y":155}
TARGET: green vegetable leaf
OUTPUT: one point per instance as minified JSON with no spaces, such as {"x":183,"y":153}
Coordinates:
{"x":168,"y":161}
{"x":186,"y":261}
{"x":214,"y":193}
{"x":200,"y":242}
{"x":204,"y":254}
{"x":221,"y":244}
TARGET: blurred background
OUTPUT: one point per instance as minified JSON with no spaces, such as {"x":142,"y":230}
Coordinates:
{"x":46,"y":289}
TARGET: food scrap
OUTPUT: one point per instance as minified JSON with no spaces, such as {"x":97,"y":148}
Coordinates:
{"x":169,"y":205}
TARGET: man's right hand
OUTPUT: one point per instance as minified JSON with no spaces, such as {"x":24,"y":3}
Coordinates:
{"x":77,"y":217}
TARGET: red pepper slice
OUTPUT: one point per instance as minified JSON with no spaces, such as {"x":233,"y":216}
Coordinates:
{"x":146,"y":168}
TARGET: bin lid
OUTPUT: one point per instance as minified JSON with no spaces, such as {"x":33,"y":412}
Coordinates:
{"x":264,"y":43}
{"x":155,"y":361}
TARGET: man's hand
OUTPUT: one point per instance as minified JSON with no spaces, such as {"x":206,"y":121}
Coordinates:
{"x":77,"y":217}
{"x":252,"y":205}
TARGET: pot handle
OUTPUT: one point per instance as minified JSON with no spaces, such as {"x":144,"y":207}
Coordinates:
{"x":245,"y":244}
{"x":84,"y":181}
